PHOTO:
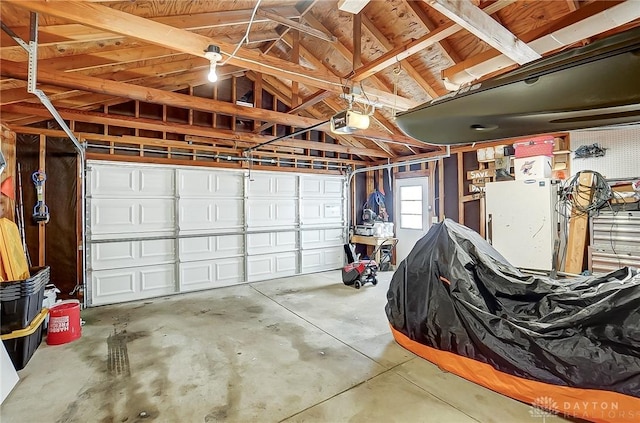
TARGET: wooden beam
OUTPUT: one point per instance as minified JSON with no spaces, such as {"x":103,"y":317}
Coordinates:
{"x":274,"y":16}
{"x":295,"y":58}
{"x":41,"y":225}
{"x":579,"y":224}
{"x":151,"y":95}
{"x":473,"y":19}
{"x":307,"y":102}
{"x":432,"y":91}
{"x":448,"y":50}
{"x":415,"y":46}
{"x":357,"y":41}
{"x":461,"y":180}
{"x":583,"y":13}
{"x":108,"y":19}
{"x":72,"y":39}
{"x":159,"y":126}
{"x":573,"y":5}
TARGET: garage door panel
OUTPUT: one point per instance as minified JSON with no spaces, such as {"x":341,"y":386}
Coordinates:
{"x":271,"y":213}
{"x":203,"y":214}
{"x":322,"y":259}
{"x":207,"y":183}
{"x":118,"y":285}
{"x":157,"y":278}
{"x":113,"y":181}
{"x":270,"y":185}
{"x":263,"y":243}
{"x":128,"y":218}
{"x":157,"y":230}
{"x":321,"y":187}
{"x":211,"y":273}
{"x":211,"y":247}
{"x":316,"y":238}
{"x":115,"y":255}
{"x":322,"y":212}
{"x":271,"y":266}
{"x":124,"y":181}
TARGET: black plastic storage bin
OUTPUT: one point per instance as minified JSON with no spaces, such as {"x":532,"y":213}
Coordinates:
{"x":21,"y":301}
{"x":21,"y":344}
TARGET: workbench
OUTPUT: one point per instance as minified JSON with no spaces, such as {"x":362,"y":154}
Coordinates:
{"x":375,"y":241}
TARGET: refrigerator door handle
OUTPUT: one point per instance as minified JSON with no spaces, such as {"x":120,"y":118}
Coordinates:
{"x":490,"y":228}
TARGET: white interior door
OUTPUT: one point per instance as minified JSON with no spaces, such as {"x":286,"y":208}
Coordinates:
{"x":412,"y":211}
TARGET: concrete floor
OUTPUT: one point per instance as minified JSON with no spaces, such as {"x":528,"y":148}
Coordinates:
{"x":300,"y":349}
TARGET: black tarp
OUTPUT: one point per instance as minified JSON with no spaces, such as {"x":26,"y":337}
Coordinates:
{"x":455,"y":293}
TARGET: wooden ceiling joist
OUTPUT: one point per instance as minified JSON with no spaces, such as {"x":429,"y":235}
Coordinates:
{"x":409,"y":49}
{"x":105,"y":18}
{"x":274,"y":16}
{"x":584,"y":12}
{"x":151,"y":95}
{"x":154,"y":125}
{"x":479,"y":23}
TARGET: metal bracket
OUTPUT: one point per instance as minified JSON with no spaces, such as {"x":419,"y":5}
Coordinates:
{"x":32,"y":77}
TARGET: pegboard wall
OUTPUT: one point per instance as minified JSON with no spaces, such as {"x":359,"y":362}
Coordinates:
{"x":622,"y":158}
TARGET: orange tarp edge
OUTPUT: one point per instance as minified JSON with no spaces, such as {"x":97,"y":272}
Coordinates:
{"x":589,"y":404}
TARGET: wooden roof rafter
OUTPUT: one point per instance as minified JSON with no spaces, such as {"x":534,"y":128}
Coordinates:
{"x":105,"y":18}
{"x":479,"y":23}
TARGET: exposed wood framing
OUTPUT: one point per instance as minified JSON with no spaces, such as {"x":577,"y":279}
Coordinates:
{"x":579,"y":224}
{"x":411,"y":71}
{"x":8,"y":146}
{"x":409,"y":49}
{"x":274,"y":16}
{"x":449,"y":52}
{"x":108,"y":19}
{"x":577,"y":16}
{"x":473,"y":19}
{"x":41,"y":225}
{"x":357,"y":41}
{"x":159,"y":126}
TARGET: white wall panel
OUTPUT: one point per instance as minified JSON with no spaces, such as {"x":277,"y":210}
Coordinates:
{"x":208,"y":183}
{"x":322,"y":259}
{"x":209,"y":214}
{"x":327,"y":187}
{"x":322,"y":211}
{"x":271,"y":212}
{"x":116,"y":255}
{"x":131,"y":217}
{"x":211,"y":274}
{"x":118,"y":285}
{"x":263,"y":243}
{"x":126,"y":181}
{"x":272,"y":185}
{"x":211,"y":247}
{"x":317,"y":238}
{"x":271,"y":266}
{"x":622,"y":158}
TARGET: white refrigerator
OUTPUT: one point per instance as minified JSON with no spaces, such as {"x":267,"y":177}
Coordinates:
{"x":522,"y":221}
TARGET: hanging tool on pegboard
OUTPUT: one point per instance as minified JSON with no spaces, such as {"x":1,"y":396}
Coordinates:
{"x":40,"y":210}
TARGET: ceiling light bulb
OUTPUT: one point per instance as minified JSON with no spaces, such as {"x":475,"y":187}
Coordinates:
{"x":213,"y":54}
{"x":213,"y":76}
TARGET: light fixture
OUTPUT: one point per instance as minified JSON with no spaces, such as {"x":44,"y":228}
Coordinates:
{"x":213,"y":54}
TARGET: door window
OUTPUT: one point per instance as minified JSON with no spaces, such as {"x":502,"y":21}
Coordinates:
{"x":411,"y":207}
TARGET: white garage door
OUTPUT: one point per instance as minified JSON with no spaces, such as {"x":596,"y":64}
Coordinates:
{"x":155,"y":230}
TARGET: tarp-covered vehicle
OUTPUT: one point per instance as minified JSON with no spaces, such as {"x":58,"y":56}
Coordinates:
{"x":571,"y":346}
